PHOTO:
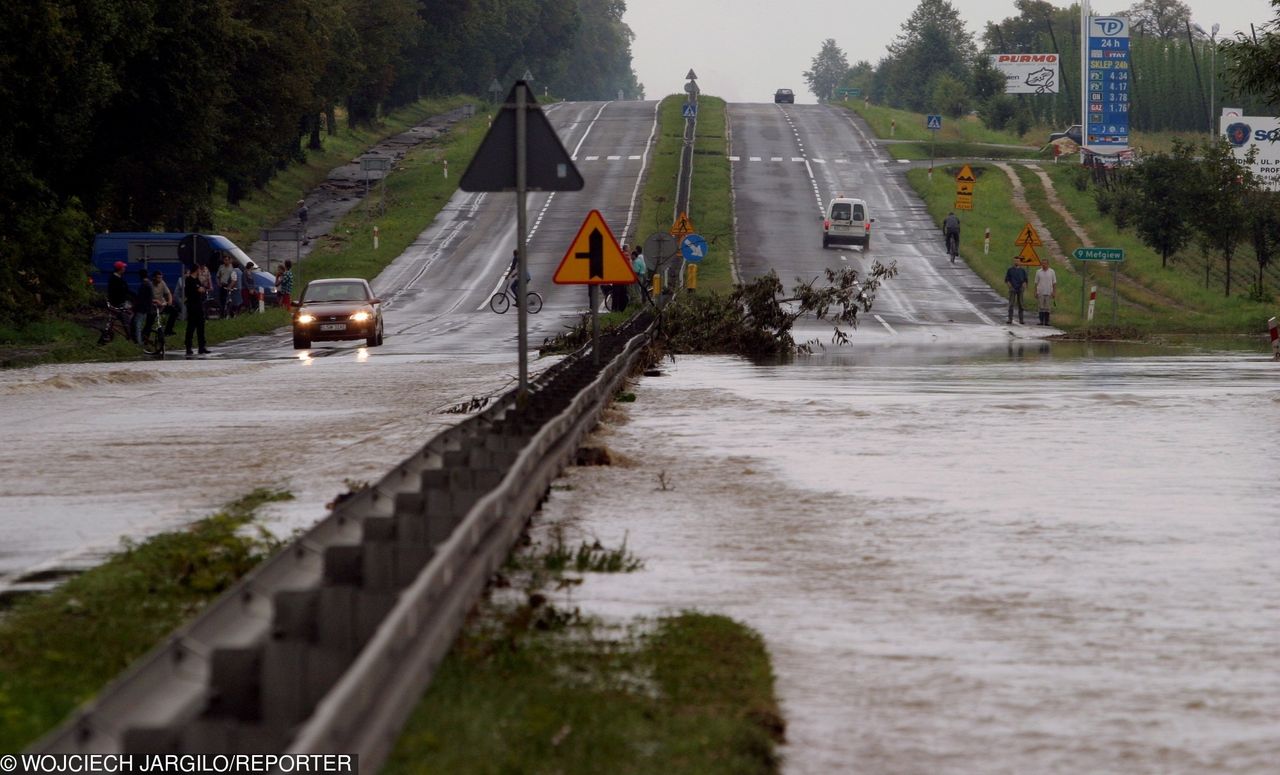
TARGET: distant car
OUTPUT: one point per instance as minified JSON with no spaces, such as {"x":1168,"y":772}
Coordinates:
{"x":847,"y":222}
{"x":337,"y":310}
{"x":1072,"y":134}
{"x":784,"y":95}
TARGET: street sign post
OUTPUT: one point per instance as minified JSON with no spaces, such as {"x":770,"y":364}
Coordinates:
{"x":933,"y":123}
{"x":693,"y":247}
{"x":682,"y":226}
{"x":1111,"y":256}
{"x":521,"y":152}
{"x":594,"y":259}
{"x":965,"y":181}
{"x":1028,"y":240}
{"x":689,"y":110}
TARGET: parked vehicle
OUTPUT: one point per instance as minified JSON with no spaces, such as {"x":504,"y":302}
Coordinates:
{"x":1072,"y":133}
{"x":169,"y":253}
{"x":847,"y":222}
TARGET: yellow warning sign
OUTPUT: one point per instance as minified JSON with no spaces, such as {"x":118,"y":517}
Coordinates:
{"x":966,"y":175}
{"x":964,"y":201}
{"x":1027,"y":256}
{"x":682,"y":227}
{"x":594,"y":257}
{"x":1028,"y":236}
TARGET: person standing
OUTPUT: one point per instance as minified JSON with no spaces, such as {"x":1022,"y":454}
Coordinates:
{"x":285,"y":287}
{"x":303,"y":214}
{"x":117,"y":286}
{"x":1046,"y":290}
{"x":233,"y":293}
{"x":642,"y":272}
{"x":226,"y":275}
{"x":1016,"y":278}
{"x":195,"y":293}
{"x":205,"y":278}
{"x":143,"y":312}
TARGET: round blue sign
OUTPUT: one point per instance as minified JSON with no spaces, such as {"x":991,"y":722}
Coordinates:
{"x":693,"y":247}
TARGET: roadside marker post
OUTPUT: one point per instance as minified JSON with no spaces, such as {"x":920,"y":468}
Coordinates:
{"x":375,"y":237}
{"x":1274,"y":329}
{"x":1093,"y":298}
{"x":446,"y":167}
{"x":986,"y":243}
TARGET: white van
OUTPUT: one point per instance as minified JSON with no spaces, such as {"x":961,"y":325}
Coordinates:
{"x":847,"y":222}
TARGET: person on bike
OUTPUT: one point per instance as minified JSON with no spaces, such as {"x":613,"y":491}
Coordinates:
{"x":951,"y":230}
{"x":195,"y":292}
{"x":162,"y":303}
{"x":514,"y":273}
{"x":226,"y":280}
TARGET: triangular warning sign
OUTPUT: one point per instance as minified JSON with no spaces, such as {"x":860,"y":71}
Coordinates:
{"x":966,"y":175}
{"x":1027,"y":256}
{"x":594,"y":258}
{"x":682,"y":226}
{"x":548,"y":166}
{"x":1028,"y":236}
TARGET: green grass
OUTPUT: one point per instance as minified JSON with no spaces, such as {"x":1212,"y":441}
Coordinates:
{"x":58,"y":649}
{"x":911,"y":126}
{"x":278,"y":200}
{"x":711,"y":207}
{"x":541,"y":691}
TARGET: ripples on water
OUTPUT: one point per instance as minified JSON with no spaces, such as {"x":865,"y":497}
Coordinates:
{"x":1010,"y":562}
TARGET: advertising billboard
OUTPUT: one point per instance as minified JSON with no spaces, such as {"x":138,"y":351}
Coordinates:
{"x":1261,"y":132}
{"x":1107,"y":130}
{"x":1028,"y":73}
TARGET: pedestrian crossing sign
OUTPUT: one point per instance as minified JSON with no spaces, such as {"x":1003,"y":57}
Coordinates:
{"x":594,"y":258}
{"x":682,"y":227}
{"x":1028,"y":236}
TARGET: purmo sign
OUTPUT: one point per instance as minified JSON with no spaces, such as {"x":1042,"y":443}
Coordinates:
{"x":1261,"y":132}
{"x":1028,"y":73}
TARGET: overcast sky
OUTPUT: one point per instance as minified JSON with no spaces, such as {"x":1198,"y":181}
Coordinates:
{"x":743,"y":50}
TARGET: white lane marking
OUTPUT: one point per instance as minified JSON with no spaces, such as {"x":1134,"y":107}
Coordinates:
{"x":593,"y":158}
{"x":755,"y":158}
{"x":637,"y":157}
{"x":886,"y":325}
{"x":797,"y":158}
{"x":902,"y":161}
{"x":775,"y":158}
{"x":614,"y":158}
{"x":735,"y":158}
{"x":818,"y":161}
{"x":502,"y":280}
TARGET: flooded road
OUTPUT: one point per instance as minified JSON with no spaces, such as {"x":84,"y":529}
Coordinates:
{"x":1014,"y":558}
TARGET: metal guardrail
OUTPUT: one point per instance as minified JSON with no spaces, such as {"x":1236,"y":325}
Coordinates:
{"x":327,"y":646}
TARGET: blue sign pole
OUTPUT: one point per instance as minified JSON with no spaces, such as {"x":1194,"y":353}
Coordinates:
{"x":1107,"y":89}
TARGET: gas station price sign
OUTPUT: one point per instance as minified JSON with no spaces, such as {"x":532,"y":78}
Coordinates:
{"x":1109,"y":85}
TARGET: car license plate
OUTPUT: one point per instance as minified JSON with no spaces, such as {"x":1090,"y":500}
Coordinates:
{"x":334,"y":327}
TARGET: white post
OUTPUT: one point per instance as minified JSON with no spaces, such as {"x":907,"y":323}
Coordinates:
{"x":446,"y":167}
{"x":1274,"y":330}
{"x":375,"y":237}
{"x":1093,"y":298}
{"x":986,"y":242}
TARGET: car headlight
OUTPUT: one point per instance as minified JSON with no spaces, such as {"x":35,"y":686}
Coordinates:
{"x":361,"y":316}
{"x":305,"y":318}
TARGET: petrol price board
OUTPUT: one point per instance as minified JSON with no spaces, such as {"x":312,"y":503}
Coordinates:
{"x":1109,"y":84}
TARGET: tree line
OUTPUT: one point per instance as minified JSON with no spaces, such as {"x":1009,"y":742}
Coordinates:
{"x":935,"y":65}
{"x":131,"y":114}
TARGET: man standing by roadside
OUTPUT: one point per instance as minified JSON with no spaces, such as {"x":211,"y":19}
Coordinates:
{"x":195,"y":311}
{"x":226,"y":277}
{"x":1016,"y":278}
{"x":642,"y":271}
{"x":142,"y":307}
{"x":1046,"y":290}
{"x":285,"y":288}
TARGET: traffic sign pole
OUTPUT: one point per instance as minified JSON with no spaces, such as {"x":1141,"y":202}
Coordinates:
{"x":522,"y":241}
{"x":593,"y":294}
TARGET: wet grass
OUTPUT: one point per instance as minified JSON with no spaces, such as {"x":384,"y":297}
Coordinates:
{"x":539,"y":690}
{"x":59,"y":649}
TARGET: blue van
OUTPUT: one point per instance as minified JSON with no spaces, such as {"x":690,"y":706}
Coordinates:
{"x":170,"y":253}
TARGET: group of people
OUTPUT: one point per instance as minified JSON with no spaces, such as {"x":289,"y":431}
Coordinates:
{"x":1015,"y":277}
{"x":617,"y":293}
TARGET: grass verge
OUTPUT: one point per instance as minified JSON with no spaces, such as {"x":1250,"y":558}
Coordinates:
{"x":59,"y":649}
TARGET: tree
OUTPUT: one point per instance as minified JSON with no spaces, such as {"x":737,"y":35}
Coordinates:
{"x":1264,"y":232}
{"x":1165,"y":19}
{"x":933,"y":42}
{"x":1165,"y":198}
{"x":1223,"y":186}
{"x":950,"y":95}
{"x":1254,"y":66}
{"x":829,"y":69}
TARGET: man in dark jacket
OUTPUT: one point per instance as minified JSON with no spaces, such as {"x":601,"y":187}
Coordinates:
{"x":117,"y":287}
{"x":195,"y":310}
{"x":1016,"y":278}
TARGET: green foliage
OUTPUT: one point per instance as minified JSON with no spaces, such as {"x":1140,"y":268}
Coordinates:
{"x":830,"y":67}
{"x":933,"y":43}
{"x":1254,"y":65}
{"x":1166,"y":200}
{"x":950,"y":95}
{"x":58,"y":649}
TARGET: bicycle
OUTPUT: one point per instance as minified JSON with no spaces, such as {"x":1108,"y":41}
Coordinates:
{"x":501,"y":301}
{"x":953,"y":245}
{"x":153,"y":344}
{"x":117,"y":317}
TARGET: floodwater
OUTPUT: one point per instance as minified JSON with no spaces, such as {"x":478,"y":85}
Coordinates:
{"x":1021,"y":558}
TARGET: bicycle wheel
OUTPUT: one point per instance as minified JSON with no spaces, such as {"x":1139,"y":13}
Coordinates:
{"x":535,"y":302}
{"x":157,"y":339}
{"x":500,"y":303}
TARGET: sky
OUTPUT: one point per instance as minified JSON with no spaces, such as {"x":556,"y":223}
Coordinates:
{"x":744,"y":50}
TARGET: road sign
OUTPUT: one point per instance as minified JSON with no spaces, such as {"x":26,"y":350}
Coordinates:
{"x":964,"y":201}
{"x":848,"y":91}
{"x":965,"y":180}
{"x":594,"y":258}
{"x":1028,"y":257}
{"x":549,"y":167}
{"x":682,"y":226}
{"x":1028,"y":236}
{"x":965,"y":175}
{"x":689,"y":110}
{"x":692,"y":76}
{"x":1099,"y":254}
{"x":694,"y":248}
{"x":933,"y":122}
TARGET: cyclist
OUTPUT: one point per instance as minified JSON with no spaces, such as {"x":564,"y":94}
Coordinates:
{"x":951,"y":229}
{"x":513,"y":273}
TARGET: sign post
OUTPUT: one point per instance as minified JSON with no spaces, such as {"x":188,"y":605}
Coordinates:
{"x":504,"y":163}
{"x":933,"y":123}
{"x":1111,"y":256}
{"x":965,"y":181}
{"x":1028,"y":240}
{"x":594,"y":259}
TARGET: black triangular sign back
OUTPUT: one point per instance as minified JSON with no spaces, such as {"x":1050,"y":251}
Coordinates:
{"x":548,"y":165}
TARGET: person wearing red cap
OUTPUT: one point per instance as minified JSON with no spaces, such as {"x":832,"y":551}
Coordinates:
{"x":117,"y":288}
